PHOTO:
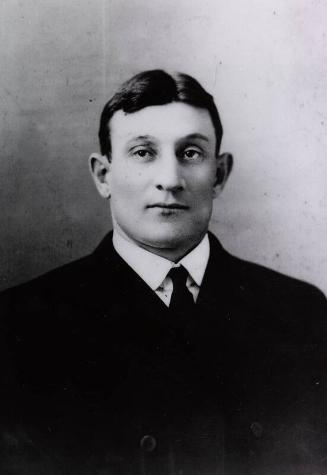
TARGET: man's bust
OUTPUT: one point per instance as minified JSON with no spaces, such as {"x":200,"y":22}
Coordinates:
{"x":161,"y":353}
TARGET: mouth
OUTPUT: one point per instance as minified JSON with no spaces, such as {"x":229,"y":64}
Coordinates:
{"x":168,"y":206}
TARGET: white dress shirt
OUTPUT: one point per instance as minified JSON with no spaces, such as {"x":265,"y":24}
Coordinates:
{"x":153,"y":269}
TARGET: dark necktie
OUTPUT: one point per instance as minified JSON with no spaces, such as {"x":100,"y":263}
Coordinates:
{"x":182,"y":306}
{"x":181,"y":299}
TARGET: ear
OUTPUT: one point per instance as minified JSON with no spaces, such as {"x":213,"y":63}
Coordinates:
{"x":224,"y":167}
{"x":99,"y":166}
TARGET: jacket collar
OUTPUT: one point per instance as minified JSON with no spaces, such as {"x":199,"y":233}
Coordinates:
{"x":218,"y":281}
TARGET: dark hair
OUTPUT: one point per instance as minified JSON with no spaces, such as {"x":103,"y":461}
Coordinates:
{"x":154,"y":88}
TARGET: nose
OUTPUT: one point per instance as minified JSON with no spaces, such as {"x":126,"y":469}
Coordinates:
{"x":170,"y":176}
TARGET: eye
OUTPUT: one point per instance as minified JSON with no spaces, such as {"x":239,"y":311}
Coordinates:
{"x":192,"y":154}
{"x":142,"y":153}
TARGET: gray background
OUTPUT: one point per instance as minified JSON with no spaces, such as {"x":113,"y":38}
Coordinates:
{"x":264,"y":61}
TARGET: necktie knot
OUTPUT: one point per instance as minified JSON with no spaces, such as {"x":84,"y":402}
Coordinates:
{"x":178,"y":276}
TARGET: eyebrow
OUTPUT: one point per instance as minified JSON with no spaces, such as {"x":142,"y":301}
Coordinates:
{"x":152,"y":139}
{"x":197,"y":136}
{"x":147,"y":138}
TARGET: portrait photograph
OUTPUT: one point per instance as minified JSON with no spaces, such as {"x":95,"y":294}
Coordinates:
{"x":163,"y":257}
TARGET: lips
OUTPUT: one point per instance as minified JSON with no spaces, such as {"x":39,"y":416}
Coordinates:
{"x":168,"y":206}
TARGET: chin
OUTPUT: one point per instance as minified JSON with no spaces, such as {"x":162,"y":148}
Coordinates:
{"x":173,"y":239}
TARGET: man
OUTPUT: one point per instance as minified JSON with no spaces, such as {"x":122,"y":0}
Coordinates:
{"x":161,"y":353}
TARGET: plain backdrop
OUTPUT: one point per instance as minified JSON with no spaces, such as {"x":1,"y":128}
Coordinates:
{"x":264,"y":61}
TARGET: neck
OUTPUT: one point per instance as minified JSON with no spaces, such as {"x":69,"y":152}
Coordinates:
{"x":173,"y":253}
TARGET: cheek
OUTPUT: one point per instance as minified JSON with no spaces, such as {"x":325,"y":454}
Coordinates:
{"x":128,"y":190}
{"x":122,"y":182}
{"x":202,"y":188}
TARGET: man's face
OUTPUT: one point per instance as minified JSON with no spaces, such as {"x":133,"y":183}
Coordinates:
{"x":162,"y":176}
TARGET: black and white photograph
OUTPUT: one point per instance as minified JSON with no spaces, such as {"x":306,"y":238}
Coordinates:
{"x":163,"y":256}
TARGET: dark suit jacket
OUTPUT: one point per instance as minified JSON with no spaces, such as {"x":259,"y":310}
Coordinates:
{"x":99,"y":379}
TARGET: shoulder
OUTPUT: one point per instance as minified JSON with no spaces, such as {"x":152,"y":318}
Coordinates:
{"x":269,"y":289}
{"x":272,"y":282}
{"x":62,"y":293}
{"x":43,"y":315}
{"x":61,"y":280}
{"x":71,"y":277}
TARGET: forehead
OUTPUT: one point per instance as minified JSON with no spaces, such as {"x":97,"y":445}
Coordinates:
{"x":165,"y":122}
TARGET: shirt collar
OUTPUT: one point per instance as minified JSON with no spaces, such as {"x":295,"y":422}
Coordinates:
{"x":153,"y":269}
{"x":195,"y":262}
